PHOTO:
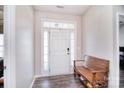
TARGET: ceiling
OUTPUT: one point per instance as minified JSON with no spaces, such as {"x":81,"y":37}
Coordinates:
{"x":68,"y":9}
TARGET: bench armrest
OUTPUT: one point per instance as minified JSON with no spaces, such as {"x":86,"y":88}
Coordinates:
{"x":79,"y":61}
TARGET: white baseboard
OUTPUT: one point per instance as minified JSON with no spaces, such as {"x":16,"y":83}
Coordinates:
{"x":37,"y":76}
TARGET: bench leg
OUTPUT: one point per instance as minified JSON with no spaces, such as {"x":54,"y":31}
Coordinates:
{"x":94,"y":80}
{"x":75,"y":74}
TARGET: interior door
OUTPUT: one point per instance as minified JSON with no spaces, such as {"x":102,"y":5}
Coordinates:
{"x":59,"y":52}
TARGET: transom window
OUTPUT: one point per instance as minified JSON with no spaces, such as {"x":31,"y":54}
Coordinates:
{"x":58,"y":25}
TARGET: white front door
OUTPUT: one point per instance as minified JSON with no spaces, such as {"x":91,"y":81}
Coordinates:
{"x":59,"y":48}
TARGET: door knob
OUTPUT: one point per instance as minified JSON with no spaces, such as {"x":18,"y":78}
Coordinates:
{"x":68,"y":51}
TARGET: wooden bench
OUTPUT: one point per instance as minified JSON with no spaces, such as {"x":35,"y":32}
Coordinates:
{"x":93,"y":70}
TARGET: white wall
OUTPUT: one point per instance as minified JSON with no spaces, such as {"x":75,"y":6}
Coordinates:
{"x":24,"y":36}
{"x":121,"y":35}
{"x":98,"y":37}
{"x":39,"y":39}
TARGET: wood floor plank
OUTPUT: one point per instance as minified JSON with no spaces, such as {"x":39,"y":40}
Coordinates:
{"x":121,"y":78}
{"x":60,"y":81}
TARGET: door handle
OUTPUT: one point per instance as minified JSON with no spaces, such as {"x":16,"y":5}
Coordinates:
{"x":68,"y":51}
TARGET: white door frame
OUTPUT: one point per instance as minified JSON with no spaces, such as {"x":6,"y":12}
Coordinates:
{"x":42,"y":33}
{"x":39,"y":39}
{"x":116,"y":53}
{"x":9,"y":47}
{"x":75,"y":37}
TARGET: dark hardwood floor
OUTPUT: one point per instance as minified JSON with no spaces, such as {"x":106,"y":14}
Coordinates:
{"x":121,"y":78}
{"x":60,"y":81}
{"x":1,"y":86}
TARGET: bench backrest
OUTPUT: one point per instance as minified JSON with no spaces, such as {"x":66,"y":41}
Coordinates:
{"x":96,"y":63}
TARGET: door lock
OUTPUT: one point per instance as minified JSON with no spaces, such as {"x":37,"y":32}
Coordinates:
{"x":68,"y":51}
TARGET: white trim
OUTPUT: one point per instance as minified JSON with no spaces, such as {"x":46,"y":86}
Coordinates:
{"x":9,"y":53}
{"x":116,"y":51}
{"x":116,"y":61}
{"x":37,"y":76}
{"x":46,"y":28}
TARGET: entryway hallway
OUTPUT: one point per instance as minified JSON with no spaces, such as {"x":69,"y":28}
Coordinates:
{"x":35,"y":46}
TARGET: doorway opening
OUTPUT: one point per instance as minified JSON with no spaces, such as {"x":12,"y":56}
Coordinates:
{"x":121,"y":48}
{"x":1,"y":49}
{"x":59,"y":47}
